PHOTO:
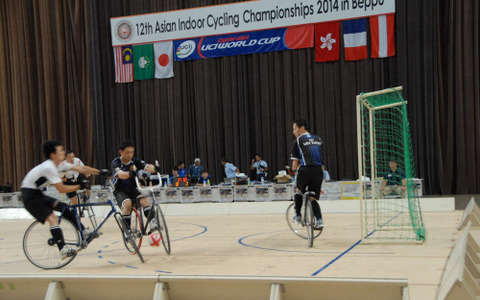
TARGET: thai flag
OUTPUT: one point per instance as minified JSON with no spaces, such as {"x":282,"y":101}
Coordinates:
{"x":355,"y":39}
{"x":382,"y":31}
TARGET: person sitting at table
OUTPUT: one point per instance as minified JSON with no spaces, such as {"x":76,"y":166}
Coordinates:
{"x":205,"y":179}
{"x":195,"y":171}
{"x":181,"y":169}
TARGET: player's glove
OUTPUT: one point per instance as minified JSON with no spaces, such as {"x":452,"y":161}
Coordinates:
{"x":133,"y":173}
{"x":144,"y":175}
{"x":85,"y":185}
{"x":105,"y":172}
{"x":157,"y":167}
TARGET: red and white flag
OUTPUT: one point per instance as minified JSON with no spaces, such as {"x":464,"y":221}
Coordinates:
{"x":123,"y":56}
{"x":327,"y":41}
{"x":163,"y":59}
{"x":382,"y":30}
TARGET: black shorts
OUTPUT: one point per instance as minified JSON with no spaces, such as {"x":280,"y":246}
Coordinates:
{"x":310,"y":177}
{"x":40,"y":206}
{"x":121,"y":196}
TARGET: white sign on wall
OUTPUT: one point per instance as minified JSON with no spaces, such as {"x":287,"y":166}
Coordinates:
{"x":239,"y":17}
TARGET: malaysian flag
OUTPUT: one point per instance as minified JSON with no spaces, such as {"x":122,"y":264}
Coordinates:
{"x":123,"y":56}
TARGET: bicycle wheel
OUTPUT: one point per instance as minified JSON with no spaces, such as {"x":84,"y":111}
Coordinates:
{"x":309,"y":222}
{"x":136,"y":232}
{"x":127,"y":235}
{"x":40,"y":248}
{"x":297,"y":228}
{"x":162,"y":228}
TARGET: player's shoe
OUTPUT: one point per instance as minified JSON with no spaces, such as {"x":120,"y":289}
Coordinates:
{"x":87,"y":232}
{"x":153,"y":226}
{"x":297,"y":219}
{"x":319,"y":225}
{"x":67,"y":252}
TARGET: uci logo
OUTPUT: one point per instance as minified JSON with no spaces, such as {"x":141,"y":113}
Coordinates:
{"x":185,"y":49}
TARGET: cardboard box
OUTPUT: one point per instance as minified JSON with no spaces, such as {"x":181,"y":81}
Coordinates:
{"x":283,"y":178}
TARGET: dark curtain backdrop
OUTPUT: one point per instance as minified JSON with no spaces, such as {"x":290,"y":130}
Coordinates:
{"x":44,"y":83}
{"x":57,"y":81}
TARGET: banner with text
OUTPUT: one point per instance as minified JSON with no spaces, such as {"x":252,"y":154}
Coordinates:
{"x":244,"y":43}
{"x":239,"y":17}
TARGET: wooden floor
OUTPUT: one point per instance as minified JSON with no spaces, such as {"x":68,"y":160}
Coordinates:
{"x":259,"y":245}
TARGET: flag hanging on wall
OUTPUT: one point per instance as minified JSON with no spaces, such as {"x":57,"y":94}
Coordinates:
{"x":382,"y":31}
{"x":327,"y":41}
{"x":163,"y":59}
{"x":123,"y":56}
{"x":143,"y":62}
{"x":355,"y":39}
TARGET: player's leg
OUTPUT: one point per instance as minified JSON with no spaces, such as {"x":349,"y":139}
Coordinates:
{"x":315,"y":179}
{"x":302,"y":181}
{"x":56,"y":230}
{"x":149,"y":213}
{"x":125,"y":203}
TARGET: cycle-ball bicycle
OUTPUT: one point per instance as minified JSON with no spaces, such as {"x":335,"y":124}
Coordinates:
{"x":41,"y":249}
{"x":306,"y":227}
{"x":156,"y":217}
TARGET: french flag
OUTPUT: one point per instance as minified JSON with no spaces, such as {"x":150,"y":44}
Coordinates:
{"x":382,"y":31}
{"x":355,"y":39}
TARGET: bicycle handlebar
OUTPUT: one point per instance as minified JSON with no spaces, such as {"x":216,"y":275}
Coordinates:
{"x":146,"y":189}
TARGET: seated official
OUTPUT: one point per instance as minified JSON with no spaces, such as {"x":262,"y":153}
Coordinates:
{"x":394,"y":181}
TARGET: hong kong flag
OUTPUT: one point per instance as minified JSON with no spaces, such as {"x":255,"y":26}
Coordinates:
{"x":327,"y":41}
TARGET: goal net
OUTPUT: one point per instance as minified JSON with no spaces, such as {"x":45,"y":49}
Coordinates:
{"x":390,"y":205}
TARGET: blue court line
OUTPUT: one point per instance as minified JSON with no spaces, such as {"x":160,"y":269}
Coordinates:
{"x":193,"y":235}
{"x":351,"y":247}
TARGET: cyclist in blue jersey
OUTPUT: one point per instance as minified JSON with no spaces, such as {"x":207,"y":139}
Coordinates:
{"x":307,"y":161}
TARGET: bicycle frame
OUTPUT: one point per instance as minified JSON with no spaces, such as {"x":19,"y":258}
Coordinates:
{"x":95,"y":231}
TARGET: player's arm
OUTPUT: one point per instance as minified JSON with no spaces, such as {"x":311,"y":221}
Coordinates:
{"x":295,"y":165}
{"x":62,"y":188}
{"x":89,"y":170}
{"x":85,"y":170}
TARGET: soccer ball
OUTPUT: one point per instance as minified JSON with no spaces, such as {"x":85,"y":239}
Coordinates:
{"x":154,"y":240}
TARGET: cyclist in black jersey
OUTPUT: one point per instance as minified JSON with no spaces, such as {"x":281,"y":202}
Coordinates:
{"x":307,"y":161}
{"x":124,"y":170}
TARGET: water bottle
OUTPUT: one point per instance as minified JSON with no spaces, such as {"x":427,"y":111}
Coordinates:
{"x":263,"y":180}
{"x":208,"y":182}
{"x":249,"y":181}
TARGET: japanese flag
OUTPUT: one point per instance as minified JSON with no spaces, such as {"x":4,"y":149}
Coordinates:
{"x":163,"y":59}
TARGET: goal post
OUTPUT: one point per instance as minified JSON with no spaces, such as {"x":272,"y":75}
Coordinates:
{"x":391,"y":214}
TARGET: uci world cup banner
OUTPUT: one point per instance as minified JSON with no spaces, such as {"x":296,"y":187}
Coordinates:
{"x":244,"y":43}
